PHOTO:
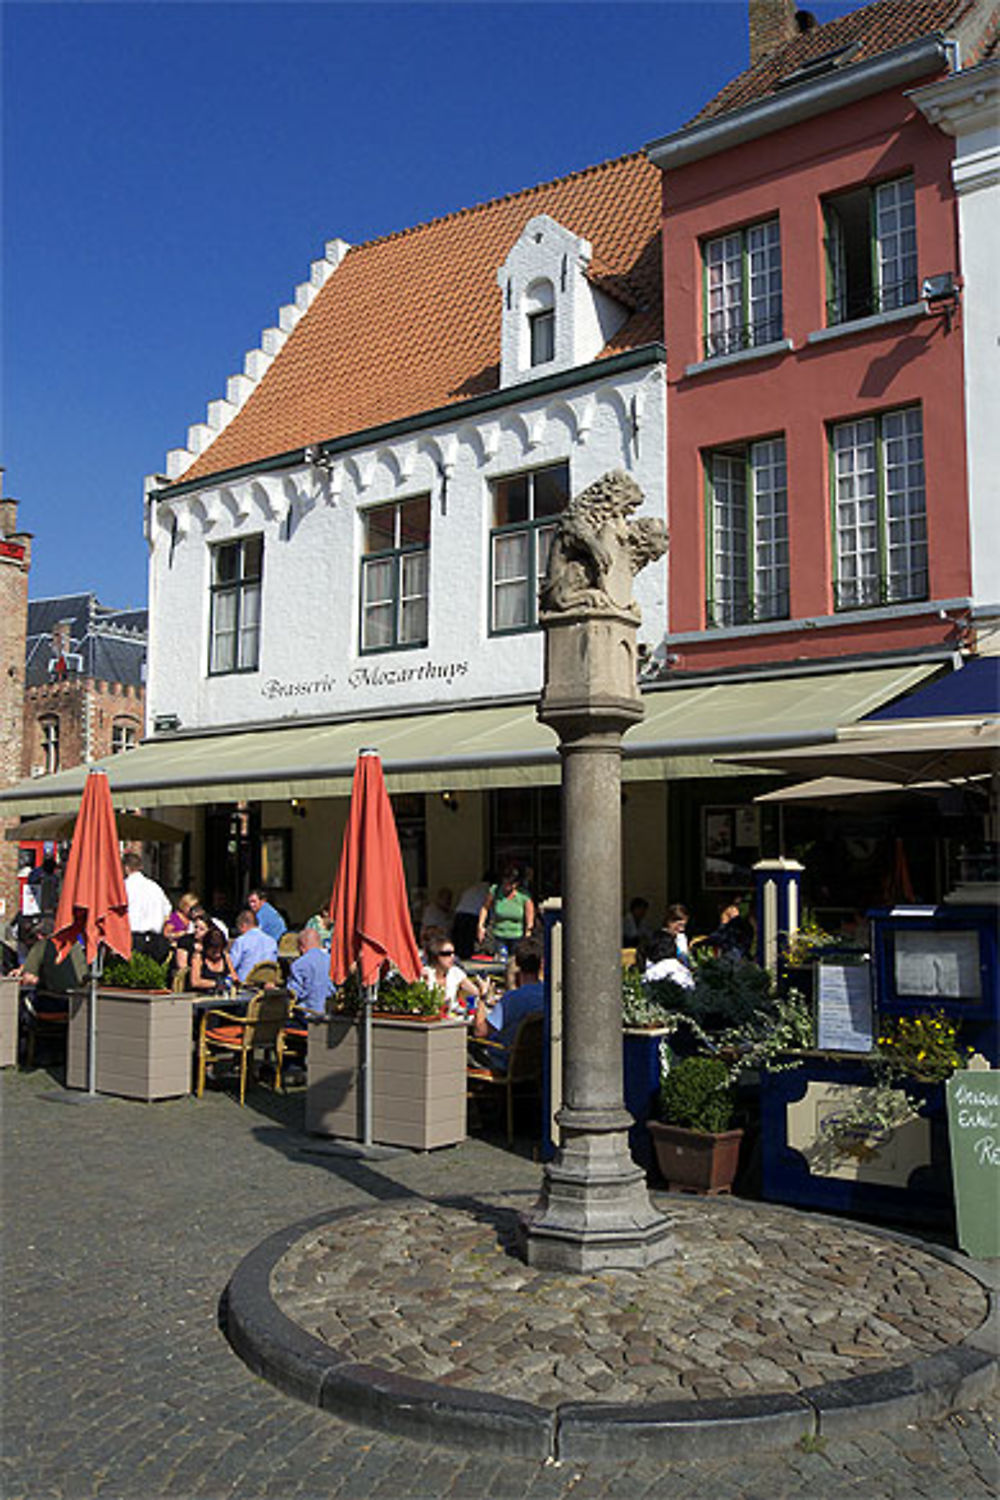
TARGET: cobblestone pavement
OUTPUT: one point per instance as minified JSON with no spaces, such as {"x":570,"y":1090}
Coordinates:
{"x":749,"y":1300}
{"x":122,"y":1225}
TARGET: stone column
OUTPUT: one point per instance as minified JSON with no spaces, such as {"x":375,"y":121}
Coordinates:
{"x":594,"y":1209}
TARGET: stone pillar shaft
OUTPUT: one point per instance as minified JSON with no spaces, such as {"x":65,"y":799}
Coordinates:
{"x":591,"y":806}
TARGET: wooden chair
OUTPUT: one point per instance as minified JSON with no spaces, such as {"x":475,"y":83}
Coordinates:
{"x":261,"y":1030}
{"x":524,"y":1067}
{"x":45,"y":1018}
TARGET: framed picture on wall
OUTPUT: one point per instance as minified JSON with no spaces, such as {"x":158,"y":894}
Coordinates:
{"x":276,"y":859}
{"x":730,"y":846}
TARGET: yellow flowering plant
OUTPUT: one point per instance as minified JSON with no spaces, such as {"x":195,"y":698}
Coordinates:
{"x":924,"y":1046}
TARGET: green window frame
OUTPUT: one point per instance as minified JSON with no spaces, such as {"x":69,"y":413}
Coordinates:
{"x":526,"y":507}
{"x":747,"y":564}
{"x":871,"y":250}
{"x":395,"y":575}
{"x":234,"y":631}
{"x":742,"y":294}
{"x":879,"y":511}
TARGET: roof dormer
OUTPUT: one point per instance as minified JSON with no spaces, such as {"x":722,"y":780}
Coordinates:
{"x":554,"y":317}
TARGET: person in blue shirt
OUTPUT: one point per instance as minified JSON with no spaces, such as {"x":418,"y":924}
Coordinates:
{"x":268,"y":919}
{"x":499,"y":1023}
{"x":251,"y":946}
{"x":309,"y":976}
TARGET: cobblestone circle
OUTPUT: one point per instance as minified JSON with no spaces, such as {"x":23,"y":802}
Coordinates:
{"x":123,"y":1223}
{"x":749,"y":1301}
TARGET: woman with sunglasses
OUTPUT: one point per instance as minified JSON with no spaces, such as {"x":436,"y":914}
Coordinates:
{"x":444,"y":974}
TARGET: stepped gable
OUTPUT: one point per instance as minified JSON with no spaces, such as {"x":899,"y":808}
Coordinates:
{"x":411,"y":322}
{"x":869,"y":31}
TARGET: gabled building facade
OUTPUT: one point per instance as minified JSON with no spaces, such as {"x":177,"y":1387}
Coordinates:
{"x":84,"y":682}
{"x":817,"y":392}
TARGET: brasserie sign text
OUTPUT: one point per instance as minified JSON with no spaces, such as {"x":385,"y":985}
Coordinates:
{"x":373,"y":676}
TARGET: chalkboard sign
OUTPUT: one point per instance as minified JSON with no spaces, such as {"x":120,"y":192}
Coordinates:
{"x":974,"y":1132}
{"x":844,"y":1007}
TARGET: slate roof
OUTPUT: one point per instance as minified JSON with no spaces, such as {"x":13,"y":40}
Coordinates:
{"x":873,"y":29}
{"x":411,"y":322}
{"x":111,"y":642}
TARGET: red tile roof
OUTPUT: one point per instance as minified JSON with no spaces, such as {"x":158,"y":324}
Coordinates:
{"x":871,"y":30}
{"x":411,"y":322}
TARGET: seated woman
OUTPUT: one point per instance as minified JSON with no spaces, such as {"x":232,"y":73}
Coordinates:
{"x":179,"y":921}
{"x":442,"y":972}
{"x":667,"y":955}
{"x":211,"y":967}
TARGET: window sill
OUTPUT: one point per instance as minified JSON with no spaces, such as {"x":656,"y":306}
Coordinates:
{"x":740,"y":357}
{"x":864,"y":325}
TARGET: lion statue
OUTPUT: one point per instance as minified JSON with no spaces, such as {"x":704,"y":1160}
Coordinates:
{"x":597,"y":549}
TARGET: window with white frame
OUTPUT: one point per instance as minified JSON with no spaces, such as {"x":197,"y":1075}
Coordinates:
{"x":871,"y":248}
{"x":395,"y":574}
{"x":747,"y":533}
{"x":540,"y":307}
{"x":743,"y":289}
{"x":525,"y":509}
{"x":124,"y":735}
{"x":236,"y":587}
{"x":880,"y":515}
{"x":50,"y":744}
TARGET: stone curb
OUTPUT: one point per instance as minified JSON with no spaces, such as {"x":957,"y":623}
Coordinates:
{"x":305,"y":1367}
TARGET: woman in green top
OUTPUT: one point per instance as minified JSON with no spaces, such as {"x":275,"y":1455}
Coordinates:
{"x":508,"y":912}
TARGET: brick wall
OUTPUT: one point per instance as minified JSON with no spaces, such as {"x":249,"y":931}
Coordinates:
{"x":15,"y":562}
{"x":86,"y":712}
{"x":772,"y":22}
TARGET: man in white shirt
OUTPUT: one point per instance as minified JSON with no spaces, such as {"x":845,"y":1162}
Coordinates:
{"x":148,"y":909}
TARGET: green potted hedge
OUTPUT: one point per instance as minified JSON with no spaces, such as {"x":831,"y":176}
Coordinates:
{"x":696,"y":1148}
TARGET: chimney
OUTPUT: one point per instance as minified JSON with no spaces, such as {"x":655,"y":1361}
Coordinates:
{"x":772,"y":24}
{"x":8,"y":512}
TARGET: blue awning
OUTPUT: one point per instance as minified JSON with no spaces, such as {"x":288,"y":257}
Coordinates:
{"x":971,"y":692}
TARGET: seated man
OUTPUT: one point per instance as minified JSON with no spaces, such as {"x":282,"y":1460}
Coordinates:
{"x":251,"y":946}
{"x":269,"y":919}
{"x":309,"y":976}
{"x":500,"y":1023}
{"x":46,"y":973}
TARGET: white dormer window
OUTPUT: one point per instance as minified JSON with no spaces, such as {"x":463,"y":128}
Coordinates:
{"x":554,"y":317}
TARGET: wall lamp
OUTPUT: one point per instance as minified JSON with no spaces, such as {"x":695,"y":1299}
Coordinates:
{"x":942,"y":294}
{"x":299,"y":809}
{"x":166,"y":723}
{"x":451,"y":801}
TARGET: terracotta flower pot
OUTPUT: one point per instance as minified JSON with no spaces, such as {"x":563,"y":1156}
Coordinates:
{"x":696,"y":1161}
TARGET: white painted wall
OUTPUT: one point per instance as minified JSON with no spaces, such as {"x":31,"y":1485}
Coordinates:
{"x":310,"y":664}
{"x":967,"y":106}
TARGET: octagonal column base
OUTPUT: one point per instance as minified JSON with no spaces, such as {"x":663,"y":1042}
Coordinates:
{"x":594,"y":1210}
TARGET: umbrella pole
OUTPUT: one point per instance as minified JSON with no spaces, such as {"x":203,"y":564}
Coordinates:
{"x":370,"y":991}
{"x":97,"y":969}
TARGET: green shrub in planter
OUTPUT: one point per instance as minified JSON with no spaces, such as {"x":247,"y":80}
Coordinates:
{"x":697,"y":1094}
{"x":140,"y":972}
{"x":398,"y":998}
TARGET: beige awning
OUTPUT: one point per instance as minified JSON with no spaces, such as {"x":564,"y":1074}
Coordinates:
{"x":474,"y":748}
{"x":926,"y":750}
{"x":836,"y":791}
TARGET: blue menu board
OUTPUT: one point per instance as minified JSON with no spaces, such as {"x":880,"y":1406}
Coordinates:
{"x":844,"y":1020}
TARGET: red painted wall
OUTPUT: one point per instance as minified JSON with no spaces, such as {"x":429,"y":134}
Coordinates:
{"x":798,"y":393}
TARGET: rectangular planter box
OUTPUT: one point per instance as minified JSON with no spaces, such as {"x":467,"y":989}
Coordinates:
{"x":904,"y":1175}
{"x":145,"y":1043}
{"x":418,"y":1072}
{"x":10,"y":992}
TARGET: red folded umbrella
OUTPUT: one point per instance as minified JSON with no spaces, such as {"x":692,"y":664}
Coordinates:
{"x":368,"y":908}
{"x":93,"y":904}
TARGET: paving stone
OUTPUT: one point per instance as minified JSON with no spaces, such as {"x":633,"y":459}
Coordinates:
{"x":119,"y":1384}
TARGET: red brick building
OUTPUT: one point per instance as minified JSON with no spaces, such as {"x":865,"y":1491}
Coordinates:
{"x":15,"y":562}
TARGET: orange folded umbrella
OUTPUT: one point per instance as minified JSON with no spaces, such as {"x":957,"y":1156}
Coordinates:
{"x":368,"y":908}
{"x":93,"y":904}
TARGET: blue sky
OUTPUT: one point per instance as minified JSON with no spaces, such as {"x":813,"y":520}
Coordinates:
{"x":171,"y":168}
